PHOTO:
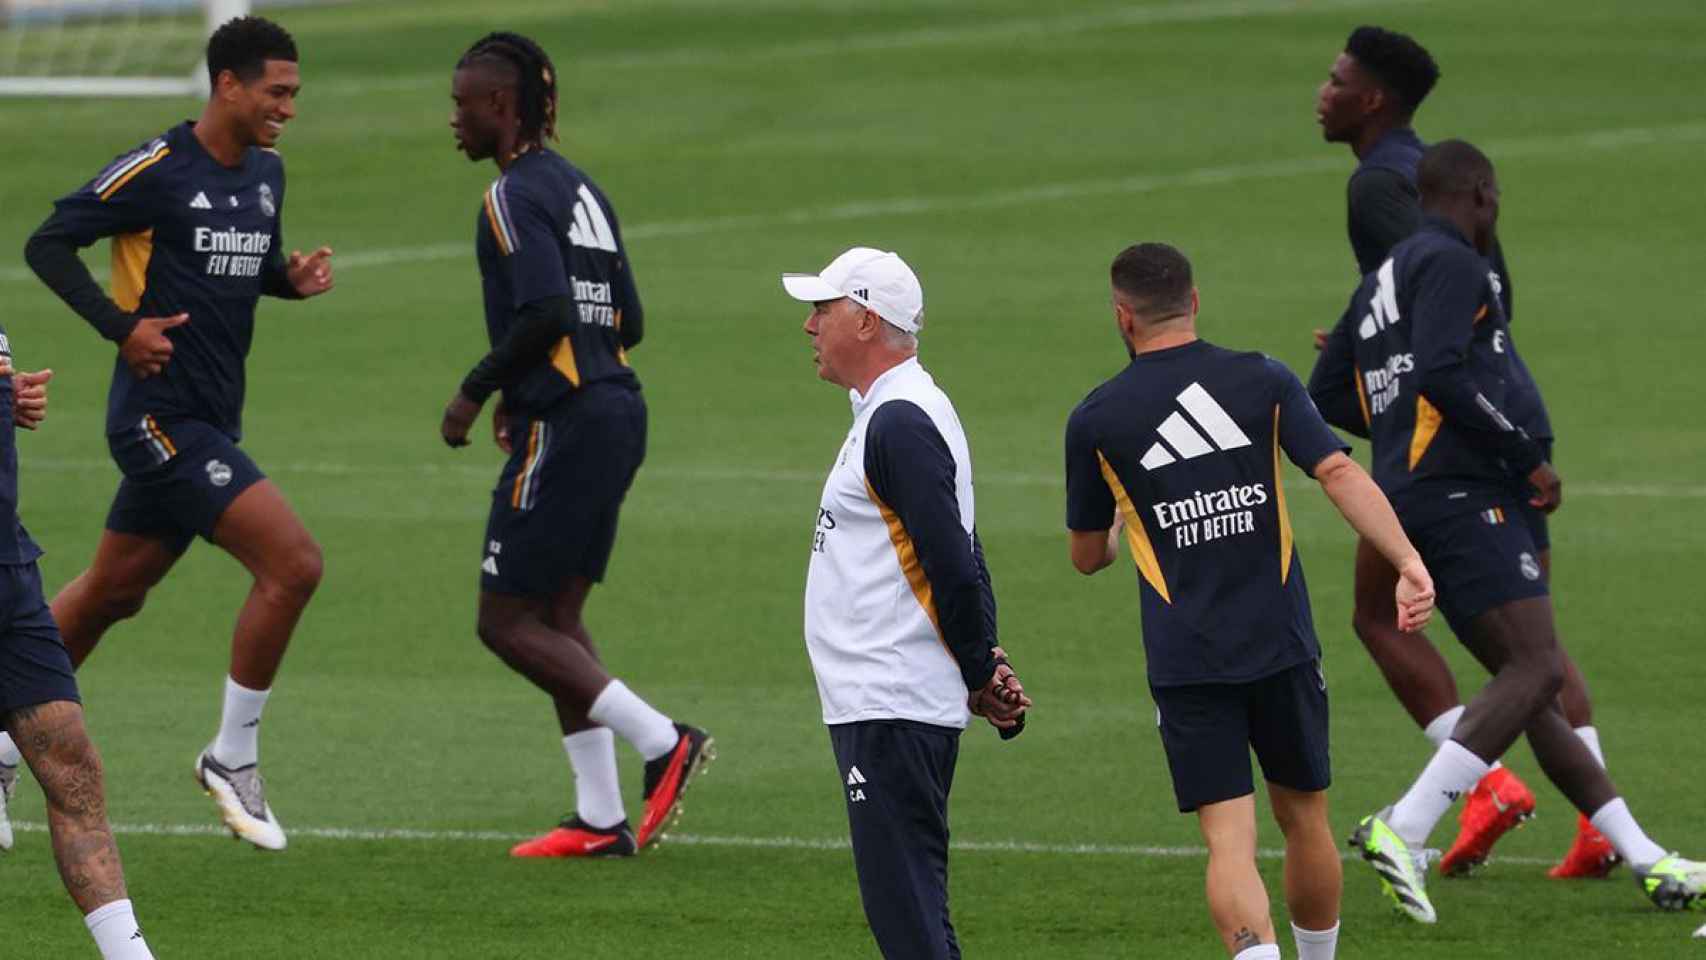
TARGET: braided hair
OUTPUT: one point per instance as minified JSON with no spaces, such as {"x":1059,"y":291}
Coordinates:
{"x":535,"y":80}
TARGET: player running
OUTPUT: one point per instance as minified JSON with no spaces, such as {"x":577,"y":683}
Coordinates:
{"x":1368,"y":102}
{"x":561,"y":312}
{"x":1182,"y":449}
{"x":196,"y":221}
{"x":39,"y":704}
{"x":1420,"y":363}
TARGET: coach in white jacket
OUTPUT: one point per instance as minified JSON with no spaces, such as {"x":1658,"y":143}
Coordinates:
{"x":900,"y":617}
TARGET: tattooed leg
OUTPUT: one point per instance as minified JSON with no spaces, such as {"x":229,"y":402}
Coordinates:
{"x":65,"y":763}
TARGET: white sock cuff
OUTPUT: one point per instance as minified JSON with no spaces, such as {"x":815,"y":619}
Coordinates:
{"x":1590,"y":736}
{"x":233,"y":687}
{"x":1465,"y":759}
{"x":1261,"y":951}
{"x":1631,"y":842}
{"x":9,"y":755}
{"x":107,"y":911}
{"x":1315,"y":936}
{"x":593,"y":737}
{"x":1439,"y":728}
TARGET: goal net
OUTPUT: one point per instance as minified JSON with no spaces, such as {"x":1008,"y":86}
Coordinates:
{"x":108,"y":48}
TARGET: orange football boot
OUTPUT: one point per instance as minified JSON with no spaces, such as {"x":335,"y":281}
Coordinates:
{"x":1591,"y":857}
{"x":667,"y":778}
{"x":1499,"y":803}
{"x":574,"y":838}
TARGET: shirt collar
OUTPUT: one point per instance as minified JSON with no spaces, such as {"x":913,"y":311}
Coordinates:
{"x":1444,"y":227}
{"x":888,"y":378}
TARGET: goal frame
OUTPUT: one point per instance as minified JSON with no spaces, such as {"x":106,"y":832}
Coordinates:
{"x":193,"y":83}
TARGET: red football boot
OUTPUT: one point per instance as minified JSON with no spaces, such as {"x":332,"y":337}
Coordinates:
{"x":1499,"y":803}
{"x":1591,"y":857}
{"x":573,"y":838}
{"x":667,"y":778}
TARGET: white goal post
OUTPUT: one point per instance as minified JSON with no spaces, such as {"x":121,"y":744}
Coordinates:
{"x":108,"y":48}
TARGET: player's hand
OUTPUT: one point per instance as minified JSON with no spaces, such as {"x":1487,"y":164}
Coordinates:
{"x":1320,"y":339}
{"x":1548,"y":488}
{"x":147,"y":349}
{"x":500,"y":428}
{"x":1002,"y":700}
{"x":29,"y":397}
{"x":459,"y":417}
{"x":1415,"y":595}
{"x":310,"y":275}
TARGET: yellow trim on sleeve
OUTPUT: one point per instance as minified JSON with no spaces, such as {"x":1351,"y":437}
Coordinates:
{"x":1142,"y":551}
{"x":118,"y":185}
{"x":907,"y":554}
{"x":563,"y":358}
{"x":1428,"y":421}
{"x":1279,"y":504}
{"x":131,"y":253}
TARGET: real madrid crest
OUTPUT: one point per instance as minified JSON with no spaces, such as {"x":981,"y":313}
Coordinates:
{"x":266,"y":201}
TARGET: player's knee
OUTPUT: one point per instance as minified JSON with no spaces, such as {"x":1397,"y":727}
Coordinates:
{"x":297,"y":574}
{"x":495,"y":631}
{"x":118,"y":601}
{"x":1371,"y":630}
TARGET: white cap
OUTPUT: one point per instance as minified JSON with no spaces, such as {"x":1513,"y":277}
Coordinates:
{"x":877,"y":279}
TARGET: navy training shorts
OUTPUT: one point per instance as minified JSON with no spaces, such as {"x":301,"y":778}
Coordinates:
{"x":555,"y":507}
{"x":34,"y":664}
{"x":179,"y":478}
{"x":1480,"y":561}
{"x":1209,"y":729}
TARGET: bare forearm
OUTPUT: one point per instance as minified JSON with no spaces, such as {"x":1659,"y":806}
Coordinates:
{"x":1366,"y":509}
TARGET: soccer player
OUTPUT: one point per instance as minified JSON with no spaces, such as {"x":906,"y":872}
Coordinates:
{"x":1420,"y":363}
{"x":39,"y":705}
{"x":561,"y":313}
{"x":900,"y":616}
{"x":195,"y":216}
{"x":1181,"y":450}
{"x":1368,"y":103}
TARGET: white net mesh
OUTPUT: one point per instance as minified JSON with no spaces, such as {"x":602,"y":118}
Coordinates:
{"x":106,"y":47}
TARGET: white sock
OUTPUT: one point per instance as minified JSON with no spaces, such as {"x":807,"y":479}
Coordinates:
{"x":1589,"y":736}
{"x":9,"y":755}
{"x":1451,"y":773}
{"x":1439,"y":729}
{"x":1316,"y":944}
{"x":634,"y":720}
{"x":239,"y":741}
{"x":598,"y":793}
{"x":116,"y":934}
{"x":1632,"y":843}
{"x":1261,"y":951}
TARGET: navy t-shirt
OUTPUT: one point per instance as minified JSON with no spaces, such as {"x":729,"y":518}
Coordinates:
{"x":1422,"y":363}
{"x":189,"y":235}
{"x":545,"y":230}
{"x":1186,"y":444}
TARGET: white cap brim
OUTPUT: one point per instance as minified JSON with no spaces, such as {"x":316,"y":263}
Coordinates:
{"x":810,"y":287}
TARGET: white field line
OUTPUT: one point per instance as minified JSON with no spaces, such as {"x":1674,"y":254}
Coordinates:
{"x":712,"y":474}
{"x":975,"y":32}
{"x":1329,"y":161}
{"x":701,"y":840}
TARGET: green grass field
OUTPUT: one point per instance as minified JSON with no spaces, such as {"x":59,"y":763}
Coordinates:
{"x":1008,"y":149}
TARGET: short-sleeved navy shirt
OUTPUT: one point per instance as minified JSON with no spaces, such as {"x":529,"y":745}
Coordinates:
{"x":189,"y":235}
{"x":1186,"y":444}
{"x":545,"y":230}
